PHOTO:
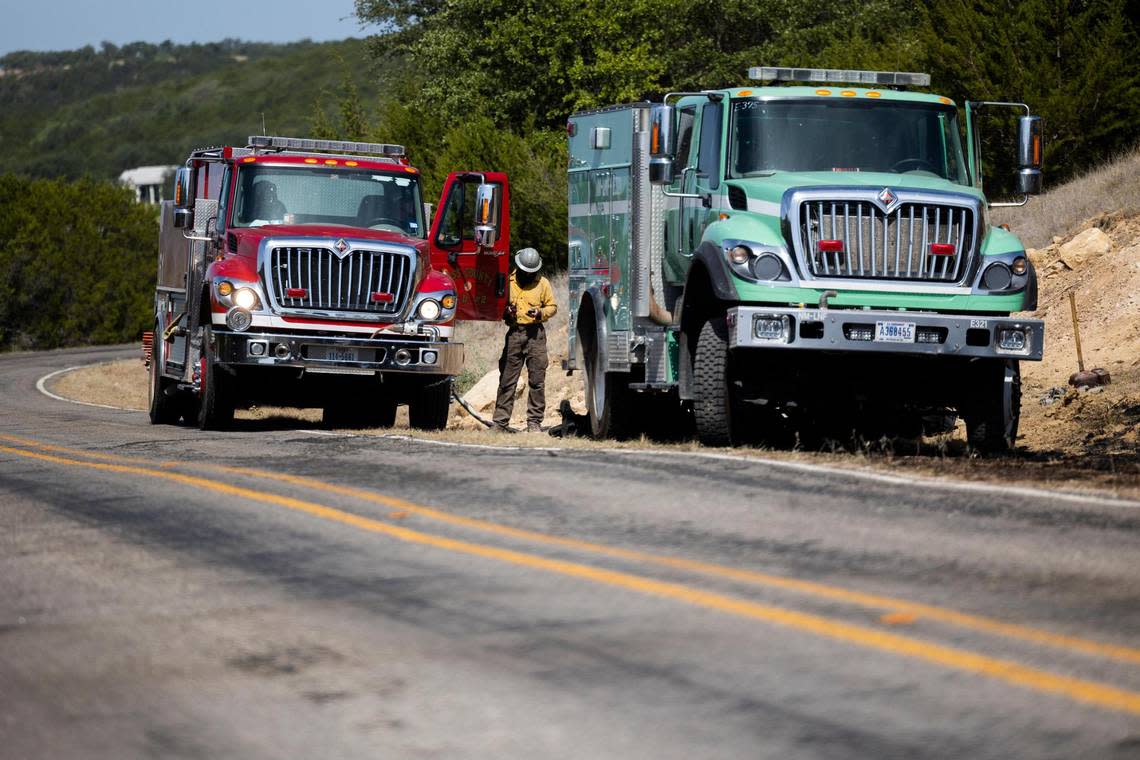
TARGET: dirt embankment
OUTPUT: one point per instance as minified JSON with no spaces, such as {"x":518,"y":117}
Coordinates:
{"x":1100,"y":266}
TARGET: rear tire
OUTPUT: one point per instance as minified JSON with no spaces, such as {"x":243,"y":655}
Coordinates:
{"x":164,"y":409}
{"x":713,"y":405}
{"x":216,"y":397}
{"x":607,"y":396}
{"x":430,"y":405}
{"x":993,"y":413}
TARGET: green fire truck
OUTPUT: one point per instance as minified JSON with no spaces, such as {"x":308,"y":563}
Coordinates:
{"x":815,"y":250}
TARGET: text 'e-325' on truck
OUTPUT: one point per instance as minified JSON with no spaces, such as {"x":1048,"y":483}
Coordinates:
{"x":816,"y":255}
{"x":304,"y":273}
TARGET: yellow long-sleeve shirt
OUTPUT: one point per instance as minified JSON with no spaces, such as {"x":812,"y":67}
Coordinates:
{"x":537,"y":295}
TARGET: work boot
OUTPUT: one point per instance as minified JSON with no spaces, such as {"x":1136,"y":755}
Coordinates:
{"x":533,"y":427}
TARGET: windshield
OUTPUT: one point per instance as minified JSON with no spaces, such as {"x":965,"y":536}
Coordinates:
{"x":833,"y":135}
{"x":352,"y":197}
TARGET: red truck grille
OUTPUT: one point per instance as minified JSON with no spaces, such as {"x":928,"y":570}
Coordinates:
{"x":365,"y":281}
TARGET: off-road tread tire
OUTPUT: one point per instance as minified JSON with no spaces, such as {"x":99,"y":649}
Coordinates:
{"x":216,"y":400}
{"x":430,"y":405}
{"x":984,"y":416}
{"x":164,"y":409}
{"x":712,"y":404}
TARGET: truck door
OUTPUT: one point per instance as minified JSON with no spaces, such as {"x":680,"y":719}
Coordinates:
{"x":480,"y":273}
{"x":705,"y":179}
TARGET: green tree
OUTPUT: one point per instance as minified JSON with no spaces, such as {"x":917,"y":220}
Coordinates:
{"x":1075,"y":63}
{"x":77,"y":263}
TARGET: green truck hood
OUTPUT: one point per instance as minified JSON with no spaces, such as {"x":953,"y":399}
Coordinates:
{"x":772,"y":187}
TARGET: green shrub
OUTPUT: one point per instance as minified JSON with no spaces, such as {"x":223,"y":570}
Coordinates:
{"x":77,"y":263}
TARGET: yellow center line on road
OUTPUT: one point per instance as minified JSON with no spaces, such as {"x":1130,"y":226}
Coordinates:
{"x":753,"y":577}
{"x":1088,"y":692}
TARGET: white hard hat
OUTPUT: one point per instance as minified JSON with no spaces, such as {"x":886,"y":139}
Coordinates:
{"x":528,"y":260}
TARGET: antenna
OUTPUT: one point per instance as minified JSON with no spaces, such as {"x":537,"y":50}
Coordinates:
{"x":263,"y":129}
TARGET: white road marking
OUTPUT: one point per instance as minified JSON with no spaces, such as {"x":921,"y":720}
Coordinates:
{"x":817,"y":469}
{"x":862,"y":474}
{"x":41,"y":386}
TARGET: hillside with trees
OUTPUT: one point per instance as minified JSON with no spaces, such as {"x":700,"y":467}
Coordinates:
{"x":95,"y":112}
{"x":488,"y":84}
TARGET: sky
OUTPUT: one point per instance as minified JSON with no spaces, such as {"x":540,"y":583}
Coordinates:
{"x":70,"y":24}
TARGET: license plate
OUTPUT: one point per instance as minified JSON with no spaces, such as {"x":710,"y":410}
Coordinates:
{"x":894,"y":332}
{"x":336,"y":354}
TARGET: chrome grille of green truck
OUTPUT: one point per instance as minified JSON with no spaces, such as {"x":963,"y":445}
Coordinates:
{"x":846,"y":238}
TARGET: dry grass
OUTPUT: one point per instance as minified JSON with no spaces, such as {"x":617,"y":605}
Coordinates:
{"x":1111,"y":189}
{"x":121,"y":384}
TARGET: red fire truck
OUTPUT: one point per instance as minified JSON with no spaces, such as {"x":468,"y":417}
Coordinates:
{"x":307,"y":273}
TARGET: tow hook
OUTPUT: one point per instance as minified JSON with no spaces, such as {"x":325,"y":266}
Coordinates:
{"x":824,"y":297}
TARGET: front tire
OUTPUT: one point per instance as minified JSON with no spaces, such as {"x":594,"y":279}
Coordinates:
{"x":216,"y":395}
{"x":993,"y":413}
{"x":164,"y":409}
{"x":713,"y":405}
{"x":430,"y":405}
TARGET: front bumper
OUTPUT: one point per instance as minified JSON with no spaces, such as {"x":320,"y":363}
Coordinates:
{"x":322,"y":353}
{"x":834,"y":330}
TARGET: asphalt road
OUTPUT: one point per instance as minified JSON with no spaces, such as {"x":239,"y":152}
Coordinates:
{"x":275,"y":592}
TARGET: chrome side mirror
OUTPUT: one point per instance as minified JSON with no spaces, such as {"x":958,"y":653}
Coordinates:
{"x":486,"y":212}
{"x":183,"y":213}
{"x":1029,"y":155}
{"x":662,"y":144}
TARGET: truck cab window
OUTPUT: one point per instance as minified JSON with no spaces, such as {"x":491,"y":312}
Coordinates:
{"x":458,"y":222}
{"x":685,"y":118}
{"x":350,"y":197}
{"x":708,"y":156}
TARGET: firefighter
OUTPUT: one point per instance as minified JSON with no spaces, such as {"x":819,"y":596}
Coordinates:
{"x":530,"y":303}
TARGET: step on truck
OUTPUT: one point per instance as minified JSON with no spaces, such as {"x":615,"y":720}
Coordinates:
{"x":304,"y":273}
{"x":813,"y":252}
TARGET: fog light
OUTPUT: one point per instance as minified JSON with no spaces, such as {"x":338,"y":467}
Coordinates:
{"x":860,"y":332}
{"x":281,"y":351}
{"x":928,"y":336}
{"x":429,"y":357}
{"x":403,"y":357}
{"x":429,"y":310}
{"x":772,"y":327}
{"x":1012,"y":339}
{"x":238,"y":319}
{"x":245,"y":298}
{"x":257,"y":348}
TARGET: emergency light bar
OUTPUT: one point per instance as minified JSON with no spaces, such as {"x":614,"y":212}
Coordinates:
{"x":839,"y":76}
{"x":325,"y":146}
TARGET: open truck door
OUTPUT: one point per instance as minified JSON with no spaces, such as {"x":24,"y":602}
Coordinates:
{"x":470,"y":240}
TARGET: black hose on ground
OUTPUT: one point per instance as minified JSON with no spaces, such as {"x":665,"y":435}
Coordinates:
{"x":470,"y":411}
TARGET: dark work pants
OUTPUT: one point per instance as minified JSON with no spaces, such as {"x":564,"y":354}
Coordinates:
{"x":525,"y":344}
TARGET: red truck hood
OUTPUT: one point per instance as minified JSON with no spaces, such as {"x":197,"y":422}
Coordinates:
{"x":254,"y":235}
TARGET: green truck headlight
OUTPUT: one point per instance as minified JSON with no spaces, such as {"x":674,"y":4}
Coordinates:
{"x":997,"y":277}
